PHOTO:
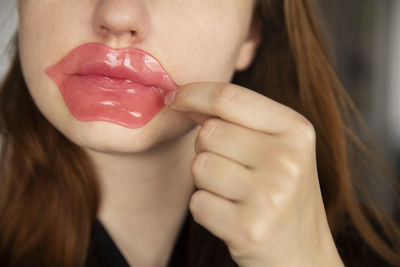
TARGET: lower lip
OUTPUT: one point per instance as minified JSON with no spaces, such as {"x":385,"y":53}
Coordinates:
{"x":100,"y":98}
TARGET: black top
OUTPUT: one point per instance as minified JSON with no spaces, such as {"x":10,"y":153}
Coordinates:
{"x":194,"y":247}
{"x":104,"y":253}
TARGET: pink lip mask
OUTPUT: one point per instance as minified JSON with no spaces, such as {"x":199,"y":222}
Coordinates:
{"x":123,"y":86}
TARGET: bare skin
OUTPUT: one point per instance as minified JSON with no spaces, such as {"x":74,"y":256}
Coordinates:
{"x":145,"y":198}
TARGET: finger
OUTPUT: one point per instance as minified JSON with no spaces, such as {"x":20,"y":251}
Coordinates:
{"x":199,"y":118}
{"x":235,"y":142}
{"x":216,"y":214}
{"x":235,"y":104}
{"x":221,"y":176}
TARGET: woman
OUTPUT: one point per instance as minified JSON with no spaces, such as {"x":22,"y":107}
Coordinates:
{"x":115,"y":112}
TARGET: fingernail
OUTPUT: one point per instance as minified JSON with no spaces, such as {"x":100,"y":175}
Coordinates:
{"x":169,"y":98}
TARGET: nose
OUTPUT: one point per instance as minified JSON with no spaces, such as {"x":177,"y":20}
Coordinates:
{"x":121,"y":22}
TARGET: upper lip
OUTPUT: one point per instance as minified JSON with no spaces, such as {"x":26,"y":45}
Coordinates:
{"x":127,"y":63}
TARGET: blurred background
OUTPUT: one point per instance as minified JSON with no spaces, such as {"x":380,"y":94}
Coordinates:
{"x":366,"y":39}
{"x":8,"y":25}
{"x":365,"y":35}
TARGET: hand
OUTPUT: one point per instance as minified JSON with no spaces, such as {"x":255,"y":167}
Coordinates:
{"x":257,"y":177}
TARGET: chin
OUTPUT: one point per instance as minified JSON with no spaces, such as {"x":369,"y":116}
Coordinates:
{"x":108,"y":137}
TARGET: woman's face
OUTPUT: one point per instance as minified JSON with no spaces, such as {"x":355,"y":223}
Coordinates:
{"x":194,"y":40}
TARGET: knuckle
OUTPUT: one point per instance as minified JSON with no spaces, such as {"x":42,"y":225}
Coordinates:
{"x":199,"y":144}
{"x":209,"y":129}
{"x":305,"y":131}
{"x":198,"y":164}
{"x":225,"y":94}
{"x":289,"y":171}
{"x":195,"y":202}
{"x":292,"y":168}
{"x":254,"y":231}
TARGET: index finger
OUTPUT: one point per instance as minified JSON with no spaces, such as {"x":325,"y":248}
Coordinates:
{"x":234,"y":103}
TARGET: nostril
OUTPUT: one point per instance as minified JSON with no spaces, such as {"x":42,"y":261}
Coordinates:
{"x":106,"y":30}
{"x":102,"y":28}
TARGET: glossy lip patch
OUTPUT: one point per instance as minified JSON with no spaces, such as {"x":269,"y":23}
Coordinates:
{"x":124,"y":86}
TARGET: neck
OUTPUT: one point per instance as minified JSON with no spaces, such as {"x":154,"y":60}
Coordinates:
{"x":145,"y":196}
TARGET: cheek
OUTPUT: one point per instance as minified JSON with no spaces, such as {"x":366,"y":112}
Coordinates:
{"x":45,"y":33}
{"x":207,"y":58}
{"x":202,"y":48}
{"x":33,"y":61}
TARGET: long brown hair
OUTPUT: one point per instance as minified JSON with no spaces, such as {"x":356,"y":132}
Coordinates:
{"x":48,"y":188}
